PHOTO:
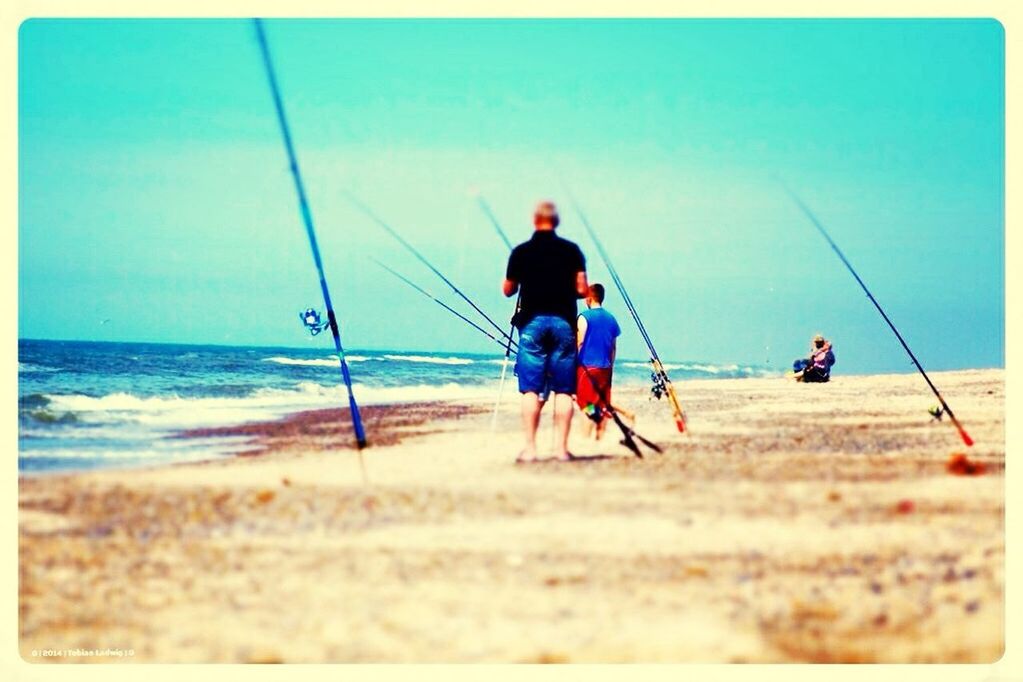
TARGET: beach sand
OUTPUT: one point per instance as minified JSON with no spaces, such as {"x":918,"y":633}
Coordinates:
{"x":793,"y":523}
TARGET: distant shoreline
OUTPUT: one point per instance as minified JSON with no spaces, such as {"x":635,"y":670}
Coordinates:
{"x":328,"y":351}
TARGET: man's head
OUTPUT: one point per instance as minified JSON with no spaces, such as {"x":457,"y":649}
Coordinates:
{"x":818,"y":341}
{"x":596,"y":295}
{"x":545,"y":217}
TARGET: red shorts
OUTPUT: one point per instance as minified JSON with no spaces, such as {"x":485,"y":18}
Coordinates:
{"x":585,"y":392}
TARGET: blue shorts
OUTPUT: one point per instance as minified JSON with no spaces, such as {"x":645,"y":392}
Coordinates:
{"x":546,"y":356}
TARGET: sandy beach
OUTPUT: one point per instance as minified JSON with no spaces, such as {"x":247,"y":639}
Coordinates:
{"x":793,"y":523}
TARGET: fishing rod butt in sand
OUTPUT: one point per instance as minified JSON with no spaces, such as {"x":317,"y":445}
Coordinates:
{"x":967,"y":440}
{"x":307,"y":221}
{"x":485,"y":207}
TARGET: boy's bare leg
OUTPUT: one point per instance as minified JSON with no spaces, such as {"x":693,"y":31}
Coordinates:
{"x":564,"y":406}
{"x":531,"y":406}
{"x":587,"y":426}
{"x":625,"y":414}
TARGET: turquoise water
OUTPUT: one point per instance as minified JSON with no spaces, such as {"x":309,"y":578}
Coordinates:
{"x":84,"y":405}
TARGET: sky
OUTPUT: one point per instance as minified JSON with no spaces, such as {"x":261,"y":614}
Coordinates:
{"x":155,"y":201}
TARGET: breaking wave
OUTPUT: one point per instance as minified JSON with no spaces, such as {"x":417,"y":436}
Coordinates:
{"x":172,"y":412}
{"x":334,"y":362}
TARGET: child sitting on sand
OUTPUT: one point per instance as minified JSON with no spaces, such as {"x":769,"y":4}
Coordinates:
{"x":816,"y":368}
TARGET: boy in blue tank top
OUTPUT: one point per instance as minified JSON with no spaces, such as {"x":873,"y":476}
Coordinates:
{"x":597,"y":334}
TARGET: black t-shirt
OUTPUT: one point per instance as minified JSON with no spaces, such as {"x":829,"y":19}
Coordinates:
{"x":545,"y":268}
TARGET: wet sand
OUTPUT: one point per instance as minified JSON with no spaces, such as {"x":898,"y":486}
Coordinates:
{"x":794,"y":523}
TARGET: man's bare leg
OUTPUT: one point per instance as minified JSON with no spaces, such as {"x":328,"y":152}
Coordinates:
{"x":601,"y":426}
{"x":531,"y":406}
{"x":564,"y":407}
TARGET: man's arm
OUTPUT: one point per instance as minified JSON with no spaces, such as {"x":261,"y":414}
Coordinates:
{"x":512,"y":273}
{"x":582,"y":286}
{"x":581,"y":333}
{"x":614,"y":351}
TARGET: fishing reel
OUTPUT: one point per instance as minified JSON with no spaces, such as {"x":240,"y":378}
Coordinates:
{"x":659,"y":388}
{"x":936,"y":412}
{"x":594,"y":413}
{"x":313,"y":321}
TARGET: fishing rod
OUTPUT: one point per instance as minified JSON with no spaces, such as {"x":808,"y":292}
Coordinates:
{"x":307,"y":220}
{"x":518,"y":303}
{"x":419,"y":256}
{"x":629,"y":435}
{"x":493,"y":220}
{"x":444,"y":305}
{"x":820,"y":228}
{"x":662,"y":382}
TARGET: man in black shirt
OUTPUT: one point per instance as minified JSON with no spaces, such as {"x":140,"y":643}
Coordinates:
{"x":549,"y":273}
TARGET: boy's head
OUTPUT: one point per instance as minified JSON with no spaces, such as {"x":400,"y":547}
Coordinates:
{"x":596,"y":295}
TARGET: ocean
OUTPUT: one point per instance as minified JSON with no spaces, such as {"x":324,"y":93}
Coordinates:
{"x":85,"y":405}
